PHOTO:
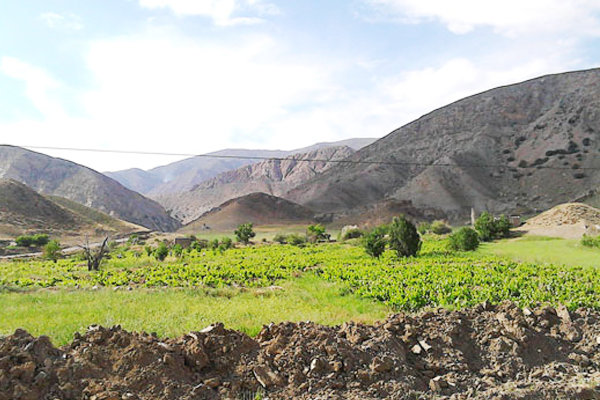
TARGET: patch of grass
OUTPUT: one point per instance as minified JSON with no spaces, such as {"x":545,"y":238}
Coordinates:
{"x":544,"y":250}
{"x":172,"y":312}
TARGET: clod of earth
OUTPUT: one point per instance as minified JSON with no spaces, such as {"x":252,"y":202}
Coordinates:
{"x":479,"y":353}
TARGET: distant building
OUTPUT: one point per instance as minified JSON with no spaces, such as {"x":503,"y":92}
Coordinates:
{"x":515,"y":220}
{"x":184,"y":242}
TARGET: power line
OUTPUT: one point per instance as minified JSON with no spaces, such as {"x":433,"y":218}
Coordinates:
{"x":293,"y":158}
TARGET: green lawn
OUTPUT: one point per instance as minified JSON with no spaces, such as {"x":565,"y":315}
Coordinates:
{"x":544,"y":250}
{"x":59,"y":313}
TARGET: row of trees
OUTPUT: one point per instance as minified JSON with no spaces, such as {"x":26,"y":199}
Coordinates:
{"x":403,"y":237}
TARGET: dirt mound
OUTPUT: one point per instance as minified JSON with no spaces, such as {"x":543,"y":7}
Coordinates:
{"x":570,"y":220}
{"x":488,"y":352}
{"x":258,"y":208}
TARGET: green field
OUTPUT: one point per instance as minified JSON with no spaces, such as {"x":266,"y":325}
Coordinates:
{"x":326,"y":283}
{"x":544,"y":250}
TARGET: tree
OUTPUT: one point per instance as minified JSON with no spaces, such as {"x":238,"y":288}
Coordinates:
{"x":94,"y":258}
{"x":177,"y":250}
{"x":490,"y":228}
{"x":374,"y":242}
{"x":161,"y":252}
{"x":314,"y":233}
{"x":244,"y":233}
{"x":503,"y":226}
{"x":485,"y":226}
{"x":464,"y":239}
{"x":404,"y":238}
{"x":440,"y":228}
{"x":52,"y":250}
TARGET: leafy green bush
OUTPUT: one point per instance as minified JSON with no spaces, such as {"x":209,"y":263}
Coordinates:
{"x":315,"y":233}
{"x":295,"y":239}
{"x":404,"y":238}
{"x":213,"y":244}
{"x":177,"y":250}
{"x":374,"y":242}
{"x":464,"y":239}
{"x":161,"y":252}
{"x":440,"y":228}
{"x":52,"y":251}
{"x":490,"y":228}
{"x":244,"y":233}
{"x":32,"y":240}
{"x":352,"y":233}
{"x":279,"y":238}
{"x":226,"y":243}
{"x":424,"y":227}
{"x":590,"y":241}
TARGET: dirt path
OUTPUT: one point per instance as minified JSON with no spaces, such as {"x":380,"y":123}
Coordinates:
{"x":487,"y":352}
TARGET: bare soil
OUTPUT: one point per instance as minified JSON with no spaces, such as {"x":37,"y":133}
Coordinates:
{"x":487,"y":352}
{"x":569,"y":221}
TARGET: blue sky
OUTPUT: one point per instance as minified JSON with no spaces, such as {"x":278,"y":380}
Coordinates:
{"x":195,"y":76}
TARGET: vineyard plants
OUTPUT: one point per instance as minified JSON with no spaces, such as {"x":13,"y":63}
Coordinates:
{"x":437,"y":277}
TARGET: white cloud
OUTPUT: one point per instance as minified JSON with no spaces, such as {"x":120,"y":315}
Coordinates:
{"x":39,"y":85}
{"x":507,"y":17}
{"x":222,"y":12}
{"x":68,"y":21}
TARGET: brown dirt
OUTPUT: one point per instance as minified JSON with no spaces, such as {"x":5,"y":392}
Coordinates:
{"x":569,"y":221}
{"x":488,"y":352}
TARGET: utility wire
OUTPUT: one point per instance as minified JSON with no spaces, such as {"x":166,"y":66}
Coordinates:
{"x":294,"y":158}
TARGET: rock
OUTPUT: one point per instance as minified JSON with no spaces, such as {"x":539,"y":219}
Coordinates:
{"x":382,"y":364}
{"x":416,"y":349}
{"x":318,"y":365}
{"x":213,"y":382}
{"x":437,"y":384}
{"x":266,"y":377}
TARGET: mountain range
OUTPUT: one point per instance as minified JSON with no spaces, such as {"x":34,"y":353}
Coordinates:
{"x":183,"y":175}
{"x":54,"y":176}
{"x":521,"y":149}
{"x":24,"y":211}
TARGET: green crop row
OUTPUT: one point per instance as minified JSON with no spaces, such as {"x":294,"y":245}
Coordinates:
{"x":435,"y":278}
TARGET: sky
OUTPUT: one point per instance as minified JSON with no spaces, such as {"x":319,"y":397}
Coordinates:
{"x":195,"y":76}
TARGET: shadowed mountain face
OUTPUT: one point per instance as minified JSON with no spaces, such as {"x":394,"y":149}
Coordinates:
{"x":479,"y":147}
{"x":183,"y":175}
{"x":273,"y":177}
{"x":22,"y":210}
{"x":258,"y":208}
{"x":54,"y":176}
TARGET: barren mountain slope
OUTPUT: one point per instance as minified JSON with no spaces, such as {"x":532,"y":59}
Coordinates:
{"x":258,"y":208}
{"x":274,"y":177}
{"x":24,"y":211}
{"x":479,"y":146}
{"x":183,"y":175}
{"x":49,"y":175}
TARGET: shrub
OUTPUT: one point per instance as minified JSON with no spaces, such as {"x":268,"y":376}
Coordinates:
{"x":279,"y":238}
{"x":177,"y":250}
{"x":161,"y":252}
{"x":295,"y":239}
{"x":32,"y":240}
{"x":464,"y":239}
{"x":374,"y":242}
{"x":52,"y":250}
{"x":315,"y":233}
{"x":590,"y":241}
{"x":226,"y":243}
{"x":213,"y":244}
{"x":484,"y":225}
{"x":404,"y":238}
{"x":440,"y":228}
{"x":424,"y":227}
{"x":352,"y":233}
{"x":244,"y":233}
{"x":490,"y":228}
{"x":148,"y":250}
{"x":503,"y":226}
